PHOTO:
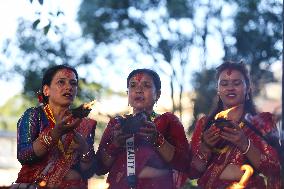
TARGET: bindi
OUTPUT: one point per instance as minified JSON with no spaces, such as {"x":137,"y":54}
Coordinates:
{"x":229,"y":72}
{"x":138,"y":77}
{"x":68,"y":73}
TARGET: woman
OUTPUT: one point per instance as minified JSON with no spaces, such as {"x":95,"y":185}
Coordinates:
{"x":55,"y":148}
{"x":219,"y":151}
{"x":157,"y":147}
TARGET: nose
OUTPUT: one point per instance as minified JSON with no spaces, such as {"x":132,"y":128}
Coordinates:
{"x":139,"y":89}
{"x":230,"y":86}
{"x":69,"y":86}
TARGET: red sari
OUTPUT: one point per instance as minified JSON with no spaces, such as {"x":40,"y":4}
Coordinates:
{"x":60,"y":157}
{"x":269,"y":166}
{"x":146,"y":155}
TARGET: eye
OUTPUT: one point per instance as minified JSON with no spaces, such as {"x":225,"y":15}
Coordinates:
{"x":224,"y":83}
{"x":60,"y":82}
{"x":132,"y":85}
{"x":237,"y":82}
{"x":147,"y":85}
{"x":73,"y":83}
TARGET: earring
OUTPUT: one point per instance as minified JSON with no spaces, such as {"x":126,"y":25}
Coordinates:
{"x":247,"y":96}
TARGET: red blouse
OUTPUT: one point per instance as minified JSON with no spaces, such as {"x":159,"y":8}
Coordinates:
{"x":269,"y":166}
{"x":146,"y":155}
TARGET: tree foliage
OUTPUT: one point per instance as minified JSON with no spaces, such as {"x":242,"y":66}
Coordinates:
{"x":169,"y":31}
{"x":257,"y":31}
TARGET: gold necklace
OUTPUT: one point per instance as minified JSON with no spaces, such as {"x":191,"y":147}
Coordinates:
{"x":60,"y":145}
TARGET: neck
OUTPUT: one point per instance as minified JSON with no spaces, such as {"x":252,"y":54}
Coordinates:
{"x":58,"y":111}
{"x":149,"y":111}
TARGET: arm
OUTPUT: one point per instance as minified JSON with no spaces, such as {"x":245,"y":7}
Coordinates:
{"x":107,"y":150}
{"x":88,"y":163}
{"x":261,"y":155}
{"x":268,"y":158}
{"x":200,"y":152}
{"x":175,"y":149}
{"x":28,"y":128}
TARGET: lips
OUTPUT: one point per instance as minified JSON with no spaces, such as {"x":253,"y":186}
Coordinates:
{"x":139,"y":98}
{"x":68,"y":95}
{"x":231,"y":95}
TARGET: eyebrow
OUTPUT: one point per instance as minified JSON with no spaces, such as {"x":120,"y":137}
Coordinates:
{"x":230,"y":79}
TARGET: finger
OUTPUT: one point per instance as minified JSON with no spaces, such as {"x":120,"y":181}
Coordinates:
{"x":229,"y":130}
{"x":213,"y":133}
{"x":147,"y":129}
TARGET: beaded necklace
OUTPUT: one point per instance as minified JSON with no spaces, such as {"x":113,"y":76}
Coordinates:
{"x":153,"y":116}
{"x":52,"y":121}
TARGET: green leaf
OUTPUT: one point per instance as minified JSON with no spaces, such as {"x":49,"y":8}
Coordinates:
{"x":36,"y":23}
{"x":46,"y":28}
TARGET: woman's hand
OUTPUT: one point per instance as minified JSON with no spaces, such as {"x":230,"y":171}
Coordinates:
{"x":81,"y":144}
{"x":235,"y":135}
{"x":67,"y":124}
{"x":210,"y":137}
{"x":149,"y":132}
{"x":118,"y":137}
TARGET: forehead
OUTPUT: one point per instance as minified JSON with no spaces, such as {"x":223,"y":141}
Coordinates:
{"x":230,"y":74}
{"x":139,"y":77}
{"x":65,"y":73}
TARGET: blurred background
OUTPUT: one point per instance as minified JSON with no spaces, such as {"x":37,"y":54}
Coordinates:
{"x":183,"y":40}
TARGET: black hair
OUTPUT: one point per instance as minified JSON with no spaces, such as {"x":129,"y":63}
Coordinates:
{"x":49,"y":74}
{"x":249,"y":106}
{"x":152,"y":73}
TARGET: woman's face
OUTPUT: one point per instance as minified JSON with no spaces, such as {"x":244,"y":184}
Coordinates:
{"x":142,"y":93}
{"x":62,"y":89}
{"x":232,"y":88}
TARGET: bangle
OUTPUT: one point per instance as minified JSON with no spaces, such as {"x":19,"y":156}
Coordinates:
{"x":86,"y":156}
{"x":46,"y":140}
{"x":247,"y":148}
{"x":202,"y":156}
{"x":160,"y":140}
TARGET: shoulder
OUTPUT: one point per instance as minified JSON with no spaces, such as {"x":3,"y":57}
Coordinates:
{"x":169,"y":116}
{"x":264,"y":121}
{"x":88,"y":121}
{"x":168,"y":119}
{"x":31,"y":111}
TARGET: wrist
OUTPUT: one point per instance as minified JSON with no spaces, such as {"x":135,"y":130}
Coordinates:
{"x":87,"y":157}
{"x":56,"y":133}
{"x":247,"y":147}
{"x":160,"y":140}
{"x":206,"y":148}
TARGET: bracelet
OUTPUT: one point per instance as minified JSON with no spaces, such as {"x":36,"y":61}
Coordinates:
{"x":86,"y":156}
{"x":45,"y":139}
{"x":202,"y":156}
{"x":247,"y":148}
{"x":160,"y":140}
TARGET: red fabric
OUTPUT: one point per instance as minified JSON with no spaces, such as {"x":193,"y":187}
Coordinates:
{"x":59,"y":163}
{"x":145,"y":154}
{"x":269,"y":166}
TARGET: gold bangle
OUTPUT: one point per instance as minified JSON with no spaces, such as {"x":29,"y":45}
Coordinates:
{"x":247,"y":148}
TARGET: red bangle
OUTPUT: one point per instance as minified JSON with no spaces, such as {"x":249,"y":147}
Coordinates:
{"x":160,"y":140}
